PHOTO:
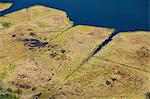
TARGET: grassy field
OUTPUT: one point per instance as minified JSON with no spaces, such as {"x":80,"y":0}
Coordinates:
{"x":42,"y":55}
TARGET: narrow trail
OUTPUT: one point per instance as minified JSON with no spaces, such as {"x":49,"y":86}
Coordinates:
{"x":124,"y":65}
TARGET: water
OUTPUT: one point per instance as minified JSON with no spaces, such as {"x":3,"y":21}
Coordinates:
{"x":124,"y":15}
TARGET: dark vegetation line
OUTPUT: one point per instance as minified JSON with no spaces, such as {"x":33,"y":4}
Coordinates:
{"x":106,"y":41}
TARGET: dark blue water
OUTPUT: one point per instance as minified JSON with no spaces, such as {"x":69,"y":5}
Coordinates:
{"x":123,"y":15}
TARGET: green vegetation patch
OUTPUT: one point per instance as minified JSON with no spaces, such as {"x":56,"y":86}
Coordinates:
{"x":7,"y":25}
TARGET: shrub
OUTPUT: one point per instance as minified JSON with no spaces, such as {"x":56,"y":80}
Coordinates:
{"x":1,"y":88}
{"x":7,"y":24}
{"x":34,"y":88}
{"x":9,"y":90}
{"x":19,"y":91}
